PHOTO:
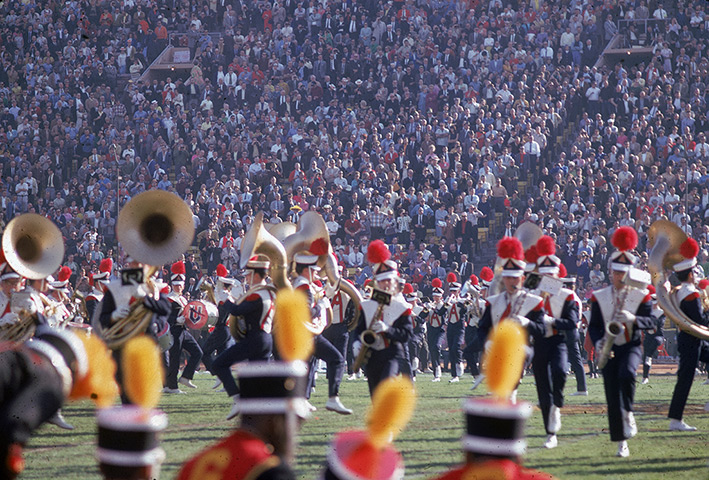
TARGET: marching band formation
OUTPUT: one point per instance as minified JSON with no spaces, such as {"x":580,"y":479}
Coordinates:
{"x":388,"y":330}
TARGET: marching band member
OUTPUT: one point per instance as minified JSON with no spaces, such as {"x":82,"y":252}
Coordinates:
{"x":182,"y":338}
{"x":574,"y":338}
{"x":550,"y":359}
{"x":514,"y":302}
{"x":306,"y":268}
{"x":256,"y":344}
{"x":473,"y":349}
{"x":455,"y":327}
{"x":337,"y":333}
{"x":436,"y":327}
{"x":389,"y":324}
{"x":220,"y":338}
{"x":370,"y":454}
{"x":493,"y":441}
{"x":653,"y":338}
{"x":630,"y":307}
{"x":413,"y":348}
{"x":273,"y":405}
{"x":98,"y":282}
{"x":10,"y":282}
{"x":688,"y":345}
{"x":37,"y":377}
{"x":58,"y":295}
{"x":119,"y":300}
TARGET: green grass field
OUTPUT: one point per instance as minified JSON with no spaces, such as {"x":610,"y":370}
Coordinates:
{"x":431,"y":442}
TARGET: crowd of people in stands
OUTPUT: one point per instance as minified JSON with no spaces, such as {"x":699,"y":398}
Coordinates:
{"x":437,"y":126}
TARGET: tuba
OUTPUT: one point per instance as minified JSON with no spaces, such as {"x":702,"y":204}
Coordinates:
{"x":664,"y":240}
{"x":33,"y":246}
{"x":154,"y":228}
{"x":281,"y":230}
{"x":258,"y":241}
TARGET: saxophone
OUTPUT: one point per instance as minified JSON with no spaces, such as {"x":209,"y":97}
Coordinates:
{"x":613,"y":329}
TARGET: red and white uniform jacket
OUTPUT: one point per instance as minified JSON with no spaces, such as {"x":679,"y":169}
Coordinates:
{"x":257,"y":309}
{"x":498,"y":307}
{"x":397,"y":317}
{"x":455,"y":312}
{"x":436,"y":315}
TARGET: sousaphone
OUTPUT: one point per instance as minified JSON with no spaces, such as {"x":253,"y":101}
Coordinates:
{"x":664,"y":240}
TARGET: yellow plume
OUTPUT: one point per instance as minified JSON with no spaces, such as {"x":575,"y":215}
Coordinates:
{"x":293,"y":340}
{"x":142,"y":371}
{"x":392,"y":406}
{"x":99,"y":384}
{"x":504,"y":360}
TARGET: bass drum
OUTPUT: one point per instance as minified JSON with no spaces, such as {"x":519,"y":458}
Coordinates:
{"x":199,"y":313}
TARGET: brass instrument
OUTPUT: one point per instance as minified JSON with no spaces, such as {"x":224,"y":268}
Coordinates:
{"x":155,"y":228}
{"x":24,"y":319}
{"x":328,"y":263}
{"x":206,"y":286}
{"x":258,"y":241}
{"x":282,"y":230}
{"x":33,"y":246}
{"x":664,"y":239}
{"x":369,"y":337}
{"x":78,"y":303}
{"x":613,"y":329}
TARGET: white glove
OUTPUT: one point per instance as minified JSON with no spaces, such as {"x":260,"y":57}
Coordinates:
{"x":548,"y":325}
{"x":9,"y":319}
{"x":626,"y":318}
{"x":180,"y":320}
{"x":331,"y":290}
{"x":524,"y":321}
{"x":356,"y":347}
{"x":140,"y":290}
{"x":379,"y":327}
{"x":120,"y":312}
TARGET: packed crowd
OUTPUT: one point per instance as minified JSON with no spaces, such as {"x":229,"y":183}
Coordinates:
{"x":415,"y":122}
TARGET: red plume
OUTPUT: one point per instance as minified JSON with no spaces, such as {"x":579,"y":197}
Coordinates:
{"x":531,"y":255}
{"x":510,"y":247}
{"x":474,"y":279}
{"x":377,"y":252}
{"x":625,"y":238}
{"x":317,"y":283}
{"x":222,"y":271}
{"x":436,"y":283}
{"x":651,"y":288}
{"x":408,"y":289}
{"x":367,"y":282}
{"x":451,"y":277}
{"x":486,"y":274}
{"x":178,"y":268}
{"x":562,"y":271}
{"x":165,"y":289}
{"x":689,"y":248}
{"x":319,"y":247}
{"x":106,"y":265}
{"x":64,"y":274}
{"x":703,"y":283}
{"x":546,"y":246}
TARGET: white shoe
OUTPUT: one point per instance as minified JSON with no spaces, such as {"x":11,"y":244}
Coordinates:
{"x":221,"y":390}
{"x":680,"y":426}
{"x":478,"y":380}
{"x":623,"y":450}
{"x":58,"y":420}
{"x":172,"y":390}
{"x":413,"y":379}
{"x":706,"y":382}
{"x":217,"y":382}
{"x":235,"y":407}
{"x":629,"y":426}
{"x":551,"y":441}
{"x":583,"y":393}
{"x":645,"y":381}
{"x":352,"y":377}
{"x":187,"y":382}
{"x":454,"y":380}
{"x":436,"y":379}
{"x":335,"y":405}
{"x":359,"y":374}
{"x":554,"y":419}
{"x":311,"y":407}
